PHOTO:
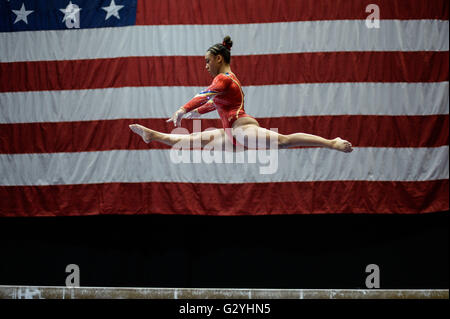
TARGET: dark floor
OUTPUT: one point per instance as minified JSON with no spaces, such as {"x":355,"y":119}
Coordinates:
{"x":303,"y":251}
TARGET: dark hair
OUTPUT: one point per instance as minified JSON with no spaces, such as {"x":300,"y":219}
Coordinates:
{"x":223,"y":49}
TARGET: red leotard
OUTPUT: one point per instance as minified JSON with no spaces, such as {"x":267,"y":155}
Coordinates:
{"x":224,"y":95}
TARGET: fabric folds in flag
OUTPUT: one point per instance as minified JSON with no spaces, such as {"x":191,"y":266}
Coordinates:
{"x":74,"y":74}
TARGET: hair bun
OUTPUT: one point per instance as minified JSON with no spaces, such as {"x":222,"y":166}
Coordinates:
{"x":227,"y":42}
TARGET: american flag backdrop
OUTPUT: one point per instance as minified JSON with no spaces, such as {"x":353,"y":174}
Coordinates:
{"x":74,"y":75}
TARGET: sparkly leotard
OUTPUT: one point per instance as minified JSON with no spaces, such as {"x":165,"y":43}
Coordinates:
{"x":224,"y":95}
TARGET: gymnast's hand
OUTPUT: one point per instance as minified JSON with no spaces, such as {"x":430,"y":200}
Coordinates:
{"x":177,"y":116}
{"x":193,"y":115}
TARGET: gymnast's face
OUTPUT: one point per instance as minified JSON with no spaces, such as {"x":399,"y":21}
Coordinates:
{"x":213,"y":63}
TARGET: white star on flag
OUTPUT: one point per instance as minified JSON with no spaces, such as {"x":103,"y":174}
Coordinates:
{"x":70,"y":12}
{"x":22,"y":14}
{"x":112,"y":10}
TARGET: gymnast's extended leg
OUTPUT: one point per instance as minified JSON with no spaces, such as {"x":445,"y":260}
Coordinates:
{"x":212,"y":138}
{"x":249,"y":134}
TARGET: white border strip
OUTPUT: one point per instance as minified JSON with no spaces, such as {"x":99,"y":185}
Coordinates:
{"x":52,"y":292}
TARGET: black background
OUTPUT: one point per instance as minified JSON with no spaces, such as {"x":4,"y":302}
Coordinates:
{"x":285,"y":251}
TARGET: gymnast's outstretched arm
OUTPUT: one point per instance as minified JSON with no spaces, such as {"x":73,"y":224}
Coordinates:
{"x":219,"y":85}
{"x":198,"y":112}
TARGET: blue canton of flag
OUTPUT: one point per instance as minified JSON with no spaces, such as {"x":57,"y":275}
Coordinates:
{"x":34,"y":15}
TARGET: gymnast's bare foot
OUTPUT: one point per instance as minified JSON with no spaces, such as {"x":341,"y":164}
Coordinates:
{"x":144,"y":132}
{"x":341,"y":145}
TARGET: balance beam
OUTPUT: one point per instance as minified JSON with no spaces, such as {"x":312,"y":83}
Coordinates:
{"x":53,"y":292}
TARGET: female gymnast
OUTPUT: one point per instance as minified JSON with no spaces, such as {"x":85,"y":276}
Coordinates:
{"x":226,"y":96}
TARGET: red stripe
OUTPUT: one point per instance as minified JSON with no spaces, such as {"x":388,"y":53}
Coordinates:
{"x":362,"y":131}
{"x":292,"y":68}
{"x":226,"y":199}
{"x":158,"y":12}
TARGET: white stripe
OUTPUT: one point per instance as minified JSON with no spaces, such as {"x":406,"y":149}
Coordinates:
{"x":260,"y":101}
{"x":311,"y":164}
{"x":249,"y":39}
